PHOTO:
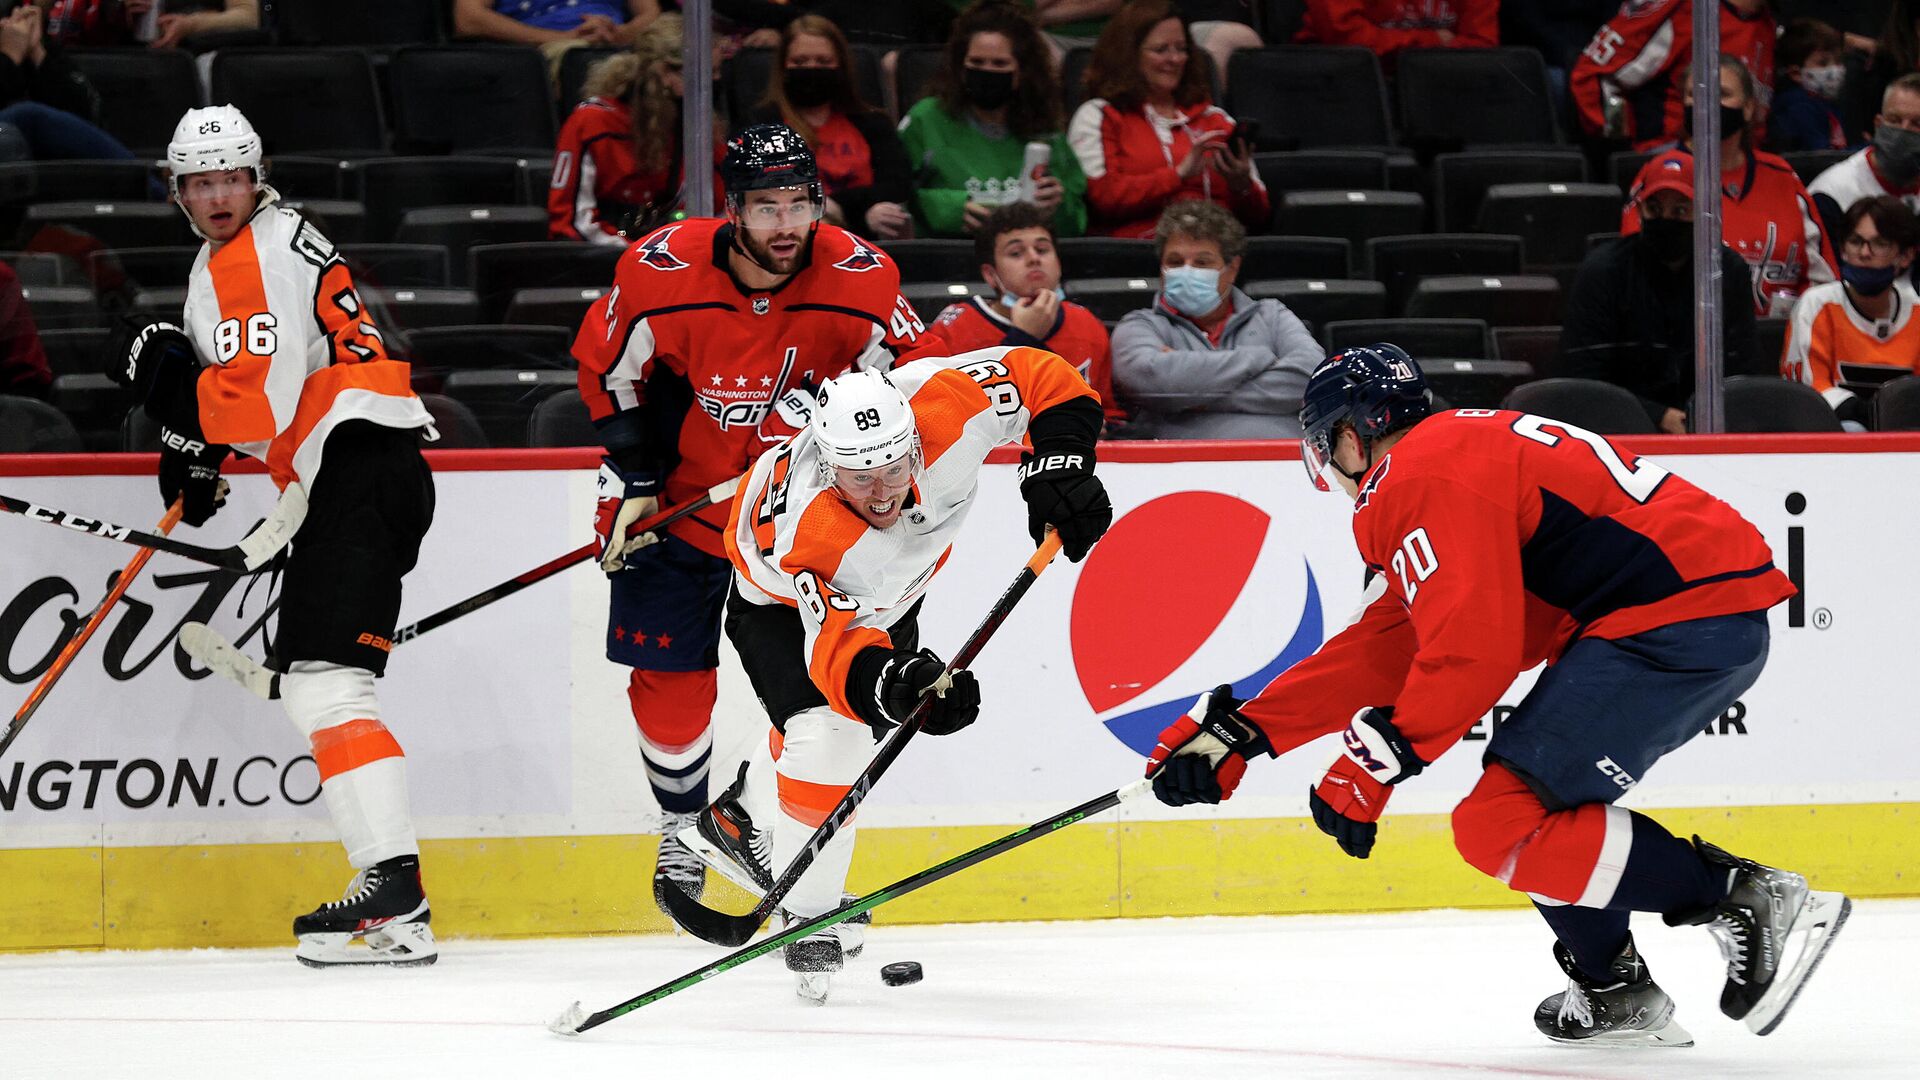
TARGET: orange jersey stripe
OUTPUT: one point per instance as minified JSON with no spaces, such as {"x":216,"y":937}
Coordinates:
{"x":390,"y":377}
{"x":233,"y":394}
{"x":807,"y":802}
{"x":350,"y":745}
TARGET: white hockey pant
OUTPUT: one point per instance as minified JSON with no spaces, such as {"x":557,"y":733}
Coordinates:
{"x":816,"y":764}
{"x":363,"y":773}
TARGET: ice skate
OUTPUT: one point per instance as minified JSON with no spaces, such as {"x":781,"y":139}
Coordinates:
{"x":726,"y":839}
{"x":814,"y":959}
{"x":383,"y":919}
{"x":1773,"y":932}
{"x":674,"y":866}
{"x":1629,"y":1009}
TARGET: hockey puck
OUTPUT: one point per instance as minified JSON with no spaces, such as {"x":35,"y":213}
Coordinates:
{"x":904,"y":973}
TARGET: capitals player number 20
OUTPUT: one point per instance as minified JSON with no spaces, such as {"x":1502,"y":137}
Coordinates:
{"x":258,"y":334}
{"x":1414,"y":563}
{"x":1639,"y":480}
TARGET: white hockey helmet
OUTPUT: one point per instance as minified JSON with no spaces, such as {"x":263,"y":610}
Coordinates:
{"x":213,"y":139}
{"x":863,"y":422}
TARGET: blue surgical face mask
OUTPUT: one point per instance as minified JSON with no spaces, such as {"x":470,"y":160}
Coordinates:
{"x":1191,"y":290}
{"x":1869,"y":280}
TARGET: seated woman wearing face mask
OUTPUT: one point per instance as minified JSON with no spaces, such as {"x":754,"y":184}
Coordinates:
{"x":1851,"y":335}
{"x":992,"y":104}
{"x":1207,"y":361}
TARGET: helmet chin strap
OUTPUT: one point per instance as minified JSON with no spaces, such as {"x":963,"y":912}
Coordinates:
{"x":1366,"y":445}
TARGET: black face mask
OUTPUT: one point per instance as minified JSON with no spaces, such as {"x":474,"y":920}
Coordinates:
{"x":807,"y":87}
{"x":987,"y":89}
{"x":1733,"y":120}
{"x":1670,"y":238}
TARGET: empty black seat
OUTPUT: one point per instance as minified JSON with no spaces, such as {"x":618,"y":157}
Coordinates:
{"x":1323,"y":170}
{"x":562,"y":420}
{"x":458,"y":228}
{"x":413,"y":309}
{"x":1551,"y":219}
{"x":358,"y":22}
{"x":23,"y":182}
{"x":76,"y":352}
{"x":143,"y":93}
{"x":1461,"y":180}
{"x":1586,"y":403}
{"x":562,"y":306}
{"x":457,"y":98}
{"x":1454,"y":339}
{"x":1097,"y":257}
{"x":575,"y":64}
{"x":1896,"y":405}
{"x":1400,"y":262}
{"x":95,"y":404}
{"x":1770,"y":341}
{"x":62,"y":307}
{"x":162,"y":303}
{"x":114,"y":225}
{"x":1321,"y":301}
{"x":1357,"y":216}
{"x":1623,"y":166}
{"x":29,"y":426}
{"x":1768,"y":403}
{"x":343,"y":221}
{"x":1808,"y":164}
{"x":303,"y":99}
{"x":296,"y":176}
{"x":497,"y":271}
{"x":392,"y":186}
{"x":1110,"y":298}
{"x":1317,"y":257}
{"x":394,"y":266}
{"x":454,"y":423}
{"x":1497,"y":300}
{"x":1536,"y":346}
{"x":930,"y":298}
{"x":1474,"y":384}
{"x":1456,"y":97}
{"x":117,"y":269}
{"x":489,"y":348}
{"x":934,"y":260}
{"x":503,"y":401}
{"x":1310,"y":95}
{"x":139,"y":433}
{"x":913,"y":71}
{"x":41,"y":268}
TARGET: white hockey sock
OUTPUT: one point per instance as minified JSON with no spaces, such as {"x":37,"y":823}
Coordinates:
{"x":363,"y":775}
{"x":823,"y":753}
{"x":679,"y":776}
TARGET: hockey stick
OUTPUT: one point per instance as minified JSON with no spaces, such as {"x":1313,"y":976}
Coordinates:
{"x":219,"y":655}
{"x":721,"y":928}
{"x":251,"y":553}
{"x":115,"y":589}
{"x":576,"y":1020}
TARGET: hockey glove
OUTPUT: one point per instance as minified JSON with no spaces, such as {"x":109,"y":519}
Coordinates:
{"x":1062,"y":491}
{"x":624,"y":498}
{"x":190,"y":472}
{"x":157,"y":362}
{"x":1201,"y":757}
{"x":1351,"y":797}
{"x":906,"y":678}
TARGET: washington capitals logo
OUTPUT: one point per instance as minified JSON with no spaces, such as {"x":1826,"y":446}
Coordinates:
{"x":653,"y":251}
{"x":1373,"y":484}
{"x":863,"y":259}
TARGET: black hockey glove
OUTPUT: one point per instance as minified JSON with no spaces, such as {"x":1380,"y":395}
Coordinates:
{"x":190,"y":471}
{"x":1201,"y":757}
{"x":1062,"y":491}
{"x":905,"y":679}
{"x":157,"y":363}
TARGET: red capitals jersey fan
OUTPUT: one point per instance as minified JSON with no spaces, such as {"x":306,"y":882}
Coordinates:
{"x":1635,"y":63}
{"x":1077,"y":334}
{"x":677,"y":311}
{"x":1499,"y":538}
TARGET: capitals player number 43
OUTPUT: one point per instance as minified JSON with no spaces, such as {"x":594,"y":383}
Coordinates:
{"x":905,"y":322}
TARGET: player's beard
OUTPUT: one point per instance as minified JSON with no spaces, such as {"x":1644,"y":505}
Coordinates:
{"x":760,"y":251}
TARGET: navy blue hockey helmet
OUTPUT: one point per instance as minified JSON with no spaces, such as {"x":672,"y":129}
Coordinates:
{"x":765,"y":156}
{"x":1377,"y":388}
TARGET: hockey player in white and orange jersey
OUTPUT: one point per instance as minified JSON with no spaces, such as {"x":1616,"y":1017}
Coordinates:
{"x":835,"y":536}
{"x":279,"y":362}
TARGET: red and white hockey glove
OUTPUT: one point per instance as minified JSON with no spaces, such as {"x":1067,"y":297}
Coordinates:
{"x":622,"y":499}
{"x":1351,"y":797}
{"x":1201,"y":757}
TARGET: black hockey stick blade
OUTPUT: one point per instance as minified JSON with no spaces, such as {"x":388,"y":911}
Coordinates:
{"x":576,"y":1020}
{"x":721,"y":928}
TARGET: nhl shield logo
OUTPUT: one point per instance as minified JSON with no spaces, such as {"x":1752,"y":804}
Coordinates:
{"x":762,"y":304}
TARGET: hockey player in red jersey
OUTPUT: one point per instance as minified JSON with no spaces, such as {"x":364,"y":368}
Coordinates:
{"x":1627,"y":83}
{"x":703,"y":355}
{"x":1496,"y":541}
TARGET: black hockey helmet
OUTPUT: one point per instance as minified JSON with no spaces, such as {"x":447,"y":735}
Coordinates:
{"x":1377,"y":388}
{"x":767,"y":156}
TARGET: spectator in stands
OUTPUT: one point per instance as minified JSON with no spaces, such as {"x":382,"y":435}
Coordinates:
{"x":561,"y":23}
{"x":1207,"y":361}
{"x":1849,"y":336}
{"x":617,"y":167}
{"x":1810,"y":77}
{"x":863,"y":165}
{"x":1015,"y":247}
{"x":1766,"y":213}
{"x":1889,"y":165}
{"x":756,"y":24}
{"x":994,"y":97}
{"x":47,"y":107}
{"x":1629,"y":315}
{"x":23,"y":360}
{"x":1387,"y":26}
{"x":1628,"y":84}
{"x":1560,"y":30}
{"x":1149,"y":134}
{"x":159,"y":24}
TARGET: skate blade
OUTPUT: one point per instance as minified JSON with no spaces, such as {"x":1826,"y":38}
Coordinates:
{"x":1669,"y":1035}
{"x":401,"y":945}
{"x":719,"y":861}
{"x":1812,"y":933}
{"x":568,"y":1023}
{"x":812,"y":987}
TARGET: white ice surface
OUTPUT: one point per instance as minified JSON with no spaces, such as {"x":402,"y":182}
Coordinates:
{"x":1417,"y":995}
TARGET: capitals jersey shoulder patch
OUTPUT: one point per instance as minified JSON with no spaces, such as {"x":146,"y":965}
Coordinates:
{"x":863,"y":258}
{"x":653,"y":251}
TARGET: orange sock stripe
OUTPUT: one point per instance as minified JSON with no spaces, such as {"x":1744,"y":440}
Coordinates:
{"x":810,"y":803}
{"x":352,"y":744}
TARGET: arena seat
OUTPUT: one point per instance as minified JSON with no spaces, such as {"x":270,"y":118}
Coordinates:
{"x":465,"y":98}
{"x":417,"y":309}
{"x":498,"y":271}
{"x":456,"y":425}
{"x":392,"y":186}
{"x":1588,"y":403}
{"x":1769,"y":403}
{"x":1322,"y":301}
{"x":503,"y":401}
{"x":565,"y":306}
{"x":1450,"y":98}
{"x":303,"y":100}
{"x":143,"y":93}
{"x":30,"y":426}
{"x":937,"y":259}
{"x":1312,"y":257}
{"x":458,"y":228}
{"x":562,"y":420}
{"x":1306,"y":96}
{"x":1460,"y":339}
{"x":1497,"y":300}
{"x":1551,"y":219}
{"x":1400,"y":262}
{"x":1323,"y":170}
{"x":1357,"y":216}
{"x":1461,"y":180}
{"x":394,"y":266}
